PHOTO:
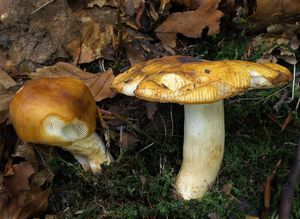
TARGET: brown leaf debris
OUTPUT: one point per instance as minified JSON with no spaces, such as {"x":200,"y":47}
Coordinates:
{"x":99,"y":84}
{"x":190,"y":23}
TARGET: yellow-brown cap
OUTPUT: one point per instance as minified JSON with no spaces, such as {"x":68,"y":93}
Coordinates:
{"x":186,"y":80}
{"x":54,"y":111}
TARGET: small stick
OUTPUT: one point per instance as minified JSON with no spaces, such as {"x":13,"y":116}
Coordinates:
{"x":44,"y":5}
{"x":287,"y":192}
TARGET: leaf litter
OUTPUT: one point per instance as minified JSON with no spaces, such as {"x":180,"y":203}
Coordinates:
{"x":48,"y":39}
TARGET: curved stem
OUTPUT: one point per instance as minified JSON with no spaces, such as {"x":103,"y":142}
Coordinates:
{"x":203,"y":147}
{"x":91,"y":152}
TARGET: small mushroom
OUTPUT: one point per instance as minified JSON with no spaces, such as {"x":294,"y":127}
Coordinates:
{"x":60,"y":112}
{"x":201,"y":87}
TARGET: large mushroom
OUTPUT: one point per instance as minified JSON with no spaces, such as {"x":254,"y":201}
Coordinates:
{"x":60,"y":112}
{"x":201,"y":87}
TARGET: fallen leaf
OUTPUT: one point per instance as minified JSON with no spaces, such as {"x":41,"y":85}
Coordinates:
{"x":5,"y":97}
{"x":275,"y":47}
{"x":131,"y":6}
{"x":26,"y":151}
{"x":35,"y":203}
{"x":6,"y":81}
{"x":189,"y":4}
{"x":73,"y":48}
{"x":163,"y":5}
{"x":4,"y":9}
{"x":275,"y":9}
{"x":227,"y":189}
{"x":99,"y":84}
{"x":190,"y":23}
{"x":267,"y":193}
{"x":287,"y":121}
{"x":29,"y":204}
{"x":102,"y":3}
{"x":99,"y":3}
{"x":127,"y":139}
{"x":41,"y":177}
{"x":213,"y":215}
{"x":251,"y":217}
{"x":35,"y":35}
{"x":151,"y":109}
{"x":97,"y":28}
{"x":19,"y":181}
{"x":134,"y":55}
{"x":143,"y":181}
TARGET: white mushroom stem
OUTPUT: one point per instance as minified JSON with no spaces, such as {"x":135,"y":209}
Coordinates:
{"x":203,"y":147}
{"x":90,"y":152}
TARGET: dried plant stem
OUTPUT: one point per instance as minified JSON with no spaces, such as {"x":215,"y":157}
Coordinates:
{"x":287,"y":193}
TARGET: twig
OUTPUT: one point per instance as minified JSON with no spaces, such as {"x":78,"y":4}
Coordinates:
{"x":148,"y":146}
{"x":293,"y":84}
{"x":44,"y":5}
{"x":287,"y":192}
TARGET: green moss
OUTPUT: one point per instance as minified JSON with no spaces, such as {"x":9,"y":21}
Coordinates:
{"x":140,"y":184}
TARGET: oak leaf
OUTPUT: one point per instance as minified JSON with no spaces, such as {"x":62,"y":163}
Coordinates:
{"x":190,"y":23}
{"x":270,"y":10}
{"x":99,"y":83}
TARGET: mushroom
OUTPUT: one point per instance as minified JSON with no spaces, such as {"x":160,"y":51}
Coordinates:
{"x":60,"y":112}
{"x":201,"y":87}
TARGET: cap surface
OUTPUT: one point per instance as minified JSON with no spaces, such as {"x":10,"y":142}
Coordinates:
{"x":186,"y":80}
{"x":54,"y":111}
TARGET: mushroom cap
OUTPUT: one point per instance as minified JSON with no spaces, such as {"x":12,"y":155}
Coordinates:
{"x":187,"y":80}
{"x":53,"y":111}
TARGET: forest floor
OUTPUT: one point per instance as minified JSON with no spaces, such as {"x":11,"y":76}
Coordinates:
{"x":145,"y":139}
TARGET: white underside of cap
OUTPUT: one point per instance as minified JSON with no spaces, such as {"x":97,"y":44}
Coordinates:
{"x":258,"y":81}
{"x":173,"y":81}
{"x":129,"y":88}
{"x":73,"y":131}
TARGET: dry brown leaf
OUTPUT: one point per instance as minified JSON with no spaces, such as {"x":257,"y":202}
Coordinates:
{"x":270,"y":10}
{"x":190,"y":4}
{"x":213,"y":215}
{"x":29,"y":204}
{"x":227,"y":189}
{"x":287,"y":121}
{"x":275,"y":47}
{"x":251,"y":217}
{"x":6,"y":81}
{"x":97,"y":28}
{"x":163,"y":5}
{"x":151,"y":109}
{"x":99,"y":3}
{"x":26,"y":151}
{"x":190,"y":23}
{"x":102,"y":3}
{"x":19,"y":180}
{"x":31,"y":36}
{"x":5,"y":97}
{"x":35,"y":203}
{"x":4,"y":9}
{"x":131,"y":6}
{"x":40,"y":178}
{"x":74,"y":49}
{"x":127,"y":139}
{"x":144,"y":181}
{"x":99,"y":84}
{"x":134,"y":55}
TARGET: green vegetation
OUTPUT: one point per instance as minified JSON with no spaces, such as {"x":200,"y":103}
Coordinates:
{"x":140,"y":183}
